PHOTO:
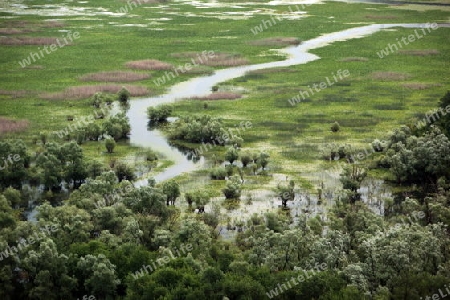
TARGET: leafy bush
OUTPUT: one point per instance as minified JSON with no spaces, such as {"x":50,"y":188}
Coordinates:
{"x":335,"y":127}
{"x":110,"y":144}
{"x":232,"y":155}
{"x":218,"y":173}
{"x":203,"y":128}
{"x":159,"y":113}
{"x":246,"y":159}
{"x":123,"y":95}
{"x":124,"y":172}
{"x":117,"y":126}
{"x":232,"y":189}
{"x":150,"y":156}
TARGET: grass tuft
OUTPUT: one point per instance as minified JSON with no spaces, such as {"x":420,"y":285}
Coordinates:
{"x":86,"y":91}
{"x":148,"y":64}
{"x":114,"y":76}
{"x":276,"y":41}
{"x":219,"y":96}
{"x":8,"y":125}
{"x":389,"y":76}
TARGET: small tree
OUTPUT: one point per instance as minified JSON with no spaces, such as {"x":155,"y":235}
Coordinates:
{"x":97,"y":99}
{"x":286,"y":193}
{"x":150,"y":155}
{"x":245,"y":159}
{"x":124,"y":172}
{"x":172,"y":190}
{"x":335,"y":127}
{"x":93,"y":131}
{"x":200,"y":198}
{"x":263,"y":159}
{"x":351,"y":180}
{"x":232,"y":155}
{"x":110,"y":144}
{"x":218,"y":173}
{"x":14,"y":198}
{"x":159,"y":113}
{"x":123,"y":95}
{"x":230,"y":170}
{"x":232,"y":189}
{"x":43,"y":137}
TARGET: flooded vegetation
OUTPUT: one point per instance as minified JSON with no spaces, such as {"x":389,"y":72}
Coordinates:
{"x":224,"y":150}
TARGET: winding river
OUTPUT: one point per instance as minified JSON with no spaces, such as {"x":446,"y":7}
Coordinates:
{"x":201,"y":86}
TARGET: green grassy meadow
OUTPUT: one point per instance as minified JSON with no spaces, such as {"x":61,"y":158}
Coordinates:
{"x":366,"y":106}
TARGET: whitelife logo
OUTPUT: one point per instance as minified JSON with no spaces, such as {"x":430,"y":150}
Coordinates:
{"x":11,"y":159}
{"x":306,"y":275}
{"x":411,"y":38}
{"x":22,"y":242}
{"x":269,"y":23}
{"x":206,"y":55}
{"x":162,"y":261}
{"x":302,"y":95}
{"x":49,"y":49}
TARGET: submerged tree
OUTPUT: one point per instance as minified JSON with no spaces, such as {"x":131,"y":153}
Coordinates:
{"x":172,"y":190}
{"x":351,"y":180}
{"x":123,"y":95}
{"x":159,"y":113}
{"x":232,"y":189}
{"x":286,"y":193}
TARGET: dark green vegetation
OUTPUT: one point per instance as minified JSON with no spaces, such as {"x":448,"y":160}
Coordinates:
{"x":186,"y":238}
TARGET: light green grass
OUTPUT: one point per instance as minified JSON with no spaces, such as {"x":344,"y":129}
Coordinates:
{"x":366,"y":109}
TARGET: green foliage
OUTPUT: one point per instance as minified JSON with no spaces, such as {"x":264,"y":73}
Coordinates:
{"x":286,"y":193}
{"x":219,"y":173}
{"x":159,"y":113}
{"x":123,"y":95}
{"x":351,"y":180}
{"x":263,"y":160}
{"x":172,"y":190}
{"x":117,"y":126}
{"x":110,"y":144}
{"x":232,"y":188}
{"x":14,"y":163}
{"x":7,"y":218}
{"x":150,"y":155}
{"x":245,"y":159}
{"x":148,"y":201}
{"x":231,"y":155}
{"x":98,"y":99}
{"x":444,"y":109}
{"x":203,"y":128}
{"x":14,"y":198}
{"x":200,"y":198}
{"x":412,"y":158}
{"x":335,"y":127}
{"x":124,"y":172}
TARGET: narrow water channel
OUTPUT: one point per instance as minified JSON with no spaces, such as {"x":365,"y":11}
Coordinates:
{"x":201,"y":86}
{"x":141,"y":136}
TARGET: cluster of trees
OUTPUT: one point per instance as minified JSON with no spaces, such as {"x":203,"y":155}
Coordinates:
{"x":101,"y":125}
{"x":415,"y":159}
{"x":55,"y":165}
{"x":115,"y":127}
{"x":99,"y":250}
{"x":159,"y":113}
{"x":203,"y":129}
{"x":253,"y":161}
{"x":98,"y":99}
{"x":14,"y":162}
{"x":232,"y":189}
